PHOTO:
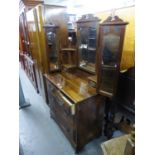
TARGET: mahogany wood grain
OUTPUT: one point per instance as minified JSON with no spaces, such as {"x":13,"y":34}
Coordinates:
{"x":79,"y":115}
{"x":75,"y":86}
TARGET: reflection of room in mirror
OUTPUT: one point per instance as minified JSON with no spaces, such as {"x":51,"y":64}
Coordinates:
{"x":83,"y":88}
{"x":84,"y":35}
{"x":87,"y":28}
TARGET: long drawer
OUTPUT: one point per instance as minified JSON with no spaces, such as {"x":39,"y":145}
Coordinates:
{"x":62,"y":112}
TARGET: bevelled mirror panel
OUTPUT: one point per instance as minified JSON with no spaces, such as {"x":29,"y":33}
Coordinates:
{"x":87,"y":48}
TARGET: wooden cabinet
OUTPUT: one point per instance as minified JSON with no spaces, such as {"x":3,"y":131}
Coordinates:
{"x":31,"y":71}
{"x":25,"y":52}
{"x":112,"y":32}
{"x":23,"y":32}
{"x":75,"y":106}
{"x":87,"y":37}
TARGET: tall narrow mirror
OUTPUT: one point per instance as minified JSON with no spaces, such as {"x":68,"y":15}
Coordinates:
{"x":87,"y":42}
{"x":52,"y":46}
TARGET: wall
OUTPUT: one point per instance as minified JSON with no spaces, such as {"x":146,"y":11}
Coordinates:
{"x":127,"y":14}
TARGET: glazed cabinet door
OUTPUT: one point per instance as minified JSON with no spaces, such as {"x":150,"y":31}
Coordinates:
{"x":111,"y":45}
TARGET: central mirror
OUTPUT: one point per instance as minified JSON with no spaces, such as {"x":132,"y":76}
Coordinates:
{"x":87,"y":48}
{"x":87,"y":28}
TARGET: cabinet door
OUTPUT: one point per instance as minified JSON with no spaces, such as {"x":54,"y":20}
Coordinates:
{"x":111,"y":43}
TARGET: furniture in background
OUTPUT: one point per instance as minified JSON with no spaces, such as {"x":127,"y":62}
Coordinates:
{"x":23,"y":33}
{"x":30,"y":71}
{"x":22,"y":101}
{"x":25,"y":52}
{"x":122,"y":145}
{"x":120,"y":112}
{"x":47,"y":28}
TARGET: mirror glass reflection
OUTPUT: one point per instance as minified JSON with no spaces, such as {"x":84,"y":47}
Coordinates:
{"x":52,"y":49}
{"x":87,"y":48}
{"x":111,"y":42}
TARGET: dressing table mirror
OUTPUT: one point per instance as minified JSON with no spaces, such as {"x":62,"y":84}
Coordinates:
{"x":87,"y":35}
{"x":52,"y":46}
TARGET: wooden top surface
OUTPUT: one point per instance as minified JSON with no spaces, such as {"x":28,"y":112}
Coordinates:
{"x":73,"y":85}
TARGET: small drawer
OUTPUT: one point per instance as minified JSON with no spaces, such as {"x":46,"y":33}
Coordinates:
{"x":62,"y":102}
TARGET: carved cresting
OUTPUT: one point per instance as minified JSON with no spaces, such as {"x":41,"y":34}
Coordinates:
{"x":88,"y":17}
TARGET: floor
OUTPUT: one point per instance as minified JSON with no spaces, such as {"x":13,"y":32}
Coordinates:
{"x":39,"y":134}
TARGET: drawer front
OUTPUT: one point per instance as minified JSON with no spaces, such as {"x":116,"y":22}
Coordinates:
{"x":62,"y":106}
{"x":68,"y":128}
{"x":63,"y":109}
{"x":60,"y":101}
